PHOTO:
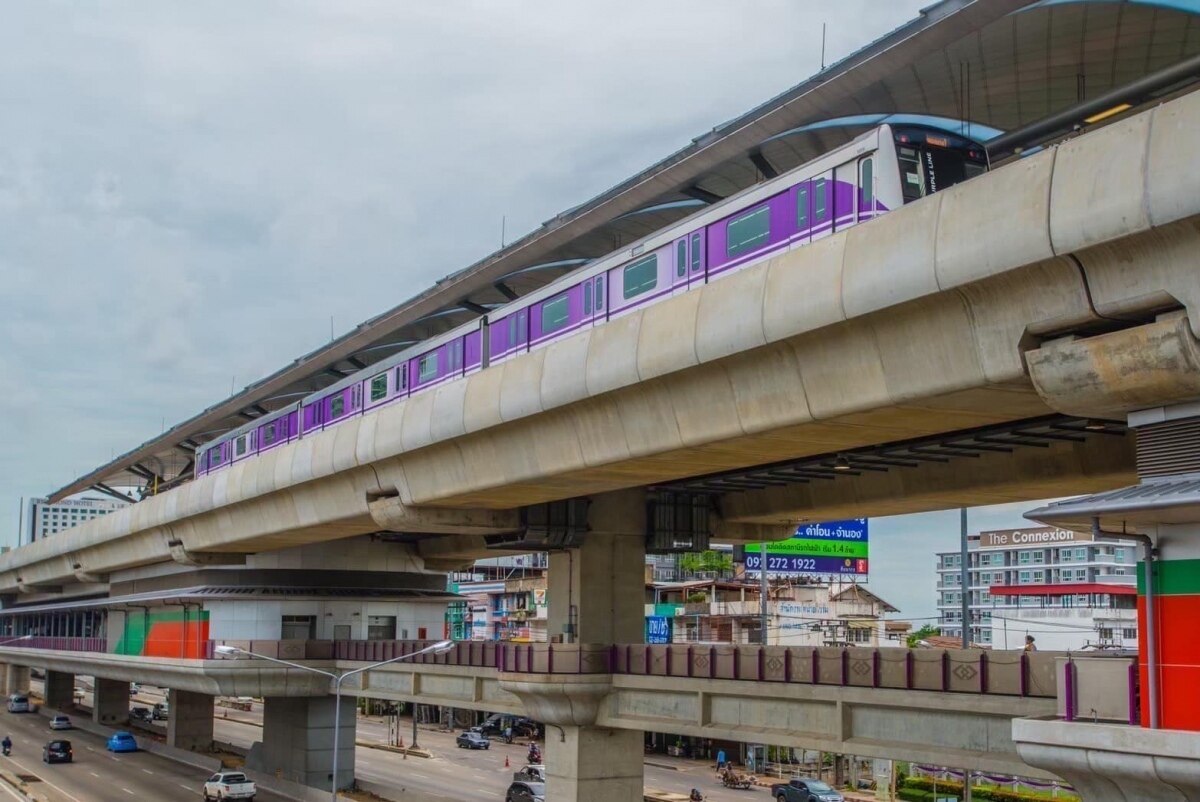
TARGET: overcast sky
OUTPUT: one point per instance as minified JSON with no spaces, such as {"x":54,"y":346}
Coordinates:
{"x":188,"y":191}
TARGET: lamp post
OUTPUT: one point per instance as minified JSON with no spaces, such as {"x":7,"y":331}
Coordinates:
{"x":441,"y":647}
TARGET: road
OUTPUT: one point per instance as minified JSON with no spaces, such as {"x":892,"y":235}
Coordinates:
{"x":451,"y":775}
{"x":96,"y":775}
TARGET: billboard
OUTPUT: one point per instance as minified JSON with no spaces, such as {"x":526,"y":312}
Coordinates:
{"x":658,"y":629}
{"x":832,"y":547}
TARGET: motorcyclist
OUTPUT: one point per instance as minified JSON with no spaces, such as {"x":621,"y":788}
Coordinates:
{"x":535,"y":754}
{"x":7,"y":744}
{"x":696,"y":796}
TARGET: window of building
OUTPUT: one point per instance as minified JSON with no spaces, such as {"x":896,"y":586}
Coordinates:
{"x":1023,"y":557}
{"x":858,"y":635}
{"x":1081,"y":555}
{"x":748,"y":232}
{"x":299,"y":627}
{"x":1119,"y":555}
{"x":1039,"y":557}
{"x":427,"y":367}
{"x":556,"y":313}
{"x":1064,"y":555}
{"x":337,"y":405}
{"x":641,"y":276}
{"x":1129,"y":634}
{"x":381,"y":627}
{"x":681,"y":258}
{"x":379,"y":387}
{"x":1026,"y":577}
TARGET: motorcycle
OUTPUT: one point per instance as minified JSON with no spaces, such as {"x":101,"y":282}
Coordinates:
{"x":7,"y":744}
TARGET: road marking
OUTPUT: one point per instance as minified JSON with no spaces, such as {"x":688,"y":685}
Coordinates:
{"x":147,"y":771}
{"x":126,"y":790}
{"x":94,"y":774}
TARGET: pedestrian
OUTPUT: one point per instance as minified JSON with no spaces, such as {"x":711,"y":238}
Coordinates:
{"x":720,"y":759}
{"x":1029,"y":645}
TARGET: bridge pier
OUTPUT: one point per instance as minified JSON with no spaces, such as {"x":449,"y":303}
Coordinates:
{"x":15,"y":678}
{"x":110,"y":701}
{"x":297,"y":742}
{"x":59,"y":690}
{"x":190,"y":722}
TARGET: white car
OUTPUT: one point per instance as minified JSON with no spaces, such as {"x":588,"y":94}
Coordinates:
{"x":61,"y":723}
{"x":229,"y":785}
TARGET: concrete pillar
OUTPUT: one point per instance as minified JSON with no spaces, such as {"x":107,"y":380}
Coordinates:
{"x":597,"y":595}
{"x":1176,"y":610}
{"x":16,"y":679}
{"x":59,"y":690}
{"x":110,"y":702}
{"x":297,"y":742}
{"x":190,"y":722}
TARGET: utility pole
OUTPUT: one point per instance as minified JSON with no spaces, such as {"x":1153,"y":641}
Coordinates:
{"x":965,"y":581}
{"x":763,"y":590}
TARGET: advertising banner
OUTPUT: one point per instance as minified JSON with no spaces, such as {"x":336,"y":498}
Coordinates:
{"x":658,"y":629}
{"x":832,"y":547}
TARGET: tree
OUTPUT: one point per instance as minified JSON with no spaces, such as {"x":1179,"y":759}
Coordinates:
{"x":709,"y":561}
{"x":921,"y":634}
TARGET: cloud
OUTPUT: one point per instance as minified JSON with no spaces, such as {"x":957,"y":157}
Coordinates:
{"x":188,"y":191}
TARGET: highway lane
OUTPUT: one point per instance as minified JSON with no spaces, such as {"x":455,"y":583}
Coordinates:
{"x":97,"y":775}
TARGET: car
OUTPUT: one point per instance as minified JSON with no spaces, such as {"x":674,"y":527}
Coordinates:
{"x":121,"y":742}
{"x":161,"y":711}
{"x":229,"y":785}
{"x":526,"y":791}
{"x":805,"y":790}
{"x":61,"y":723}
{"x":19,"y":703}
{"x":57,"y":751}
{"x":140,"y":714}
{"x":534,"y":772}
{"x":472,"y":740}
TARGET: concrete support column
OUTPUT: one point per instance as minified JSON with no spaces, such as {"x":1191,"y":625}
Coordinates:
{"x":16,"y":679}
{"x":59,"y":690}
{"x":1176,"y":588}
{"x":597,"y":595}
{"x":297,"y":742}
{"x":110,"y":702}
{"x":190,"y":722}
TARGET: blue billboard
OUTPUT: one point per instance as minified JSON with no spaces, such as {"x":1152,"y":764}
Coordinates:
{"x":658,"y":629}
{"x":828,"y":548}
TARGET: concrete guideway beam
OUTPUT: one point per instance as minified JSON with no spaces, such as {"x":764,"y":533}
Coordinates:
{"x":909,"y":325}
{"x":1112,"y":762}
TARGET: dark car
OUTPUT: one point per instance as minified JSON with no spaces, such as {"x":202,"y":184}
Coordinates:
{"x":526,"y":791}
{"x":472,"y":740}
{"x":805,"y":790}
{"x":57,"y":751}
{"x":141,"y":714}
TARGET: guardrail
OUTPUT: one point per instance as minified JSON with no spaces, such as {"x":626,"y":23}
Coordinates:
{"x":62,"y":644}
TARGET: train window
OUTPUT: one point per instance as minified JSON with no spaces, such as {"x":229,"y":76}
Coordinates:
{"x":748,"y":232}
{"x":427,"y":367}
{"x":337,"y":405}
{"x":681,"y":258}
{"x":512,"y":330}
{"x":379,"y":387}
{"x":555,"y":314}
{"x":214,"y":457}
{"x":239,"y":446}
{"x":820,"y":199}
{"x":587,"y":297}
{"x":695,"y":251}
{"x":641,"y":276}
{"x":866,"y":181}
{"x":600,"y":293}
{"x":802,"y":207}
{"x":268,"y":434}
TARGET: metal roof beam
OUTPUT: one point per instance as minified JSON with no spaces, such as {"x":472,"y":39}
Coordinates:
{"x":506,"y":291}
{"x":99,"y":487}
{"x":701,"y":194}
{"x":765,"y":167}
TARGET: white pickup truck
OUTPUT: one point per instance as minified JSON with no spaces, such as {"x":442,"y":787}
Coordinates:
{"x":229,"y":785}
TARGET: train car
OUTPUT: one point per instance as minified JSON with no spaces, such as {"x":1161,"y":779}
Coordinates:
{"x":877,"y":172}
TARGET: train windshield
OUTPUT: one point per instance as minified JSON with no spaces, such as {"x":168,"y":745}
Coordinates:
{"x":933,"y":160}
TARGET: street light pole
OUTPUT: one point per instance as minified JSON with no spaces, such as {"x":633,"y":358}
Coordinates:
{"x":441,"y":647}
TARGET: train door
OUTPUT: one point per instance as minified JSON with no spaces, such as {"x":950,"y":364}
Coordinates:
{"x":845,"y":191}
{"x":696,"y":258}
{"x":866,"y":188}
{"x":600,"y":298}
{"x":821,"y":203}
{"x":522,"y":331}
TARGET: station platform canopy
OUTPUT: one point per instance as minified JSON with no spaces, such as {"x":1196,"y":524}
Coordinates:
{"x":982,"y":67}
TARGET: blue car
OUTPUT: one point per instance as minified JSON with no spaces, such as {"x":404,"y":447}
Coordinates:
{"x":121,"y":742}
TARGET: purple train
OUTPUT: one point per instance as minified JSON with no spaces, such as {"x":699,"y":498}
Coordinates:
{"x":880,"y":170}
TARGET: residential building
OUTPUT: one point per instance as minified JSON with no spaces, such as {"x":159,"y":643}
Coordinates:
{"x":505,"y":598}
{"x":46,"y":518}
{"x":798,"y":614}
{"x":1061,"y":587}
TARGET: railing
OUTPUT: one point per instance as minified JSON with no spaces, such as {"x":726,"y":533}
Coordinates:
{"x":62,"y":644}
{"x":1100,"y":688}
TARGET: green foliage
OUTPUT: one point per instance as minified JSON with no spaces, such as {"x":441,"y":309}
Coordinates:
{"x":921,"y":634}
{"x":716,"y":562}
{"x":914,"y":795}
{"x":951,"y":788}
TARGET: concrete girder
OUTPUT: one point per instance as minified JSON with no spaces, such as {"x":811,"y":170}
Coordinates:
{"x":913,"y":324}
{"x":181,"y":555}
{"x":1110,"y":375}
{"x":1064,"y":468}
{"x":393,"y":515}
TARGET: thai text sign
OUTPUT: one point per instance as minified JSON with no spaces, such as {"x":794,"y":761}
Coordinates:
{"x":833,"y":547}
{"x":658,"y":629}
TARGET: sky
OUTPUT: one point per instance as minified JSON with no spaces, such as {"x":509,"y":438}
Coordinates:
{"x":189,"y":192}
